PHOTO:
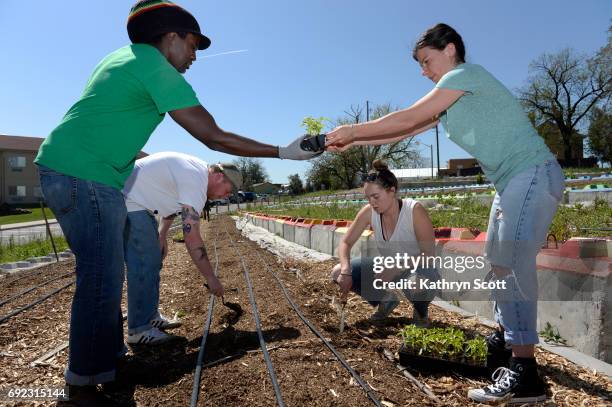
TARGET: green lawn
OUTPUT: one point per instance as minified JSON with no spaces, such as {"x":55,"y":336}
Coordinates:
{"x":29,"y":217}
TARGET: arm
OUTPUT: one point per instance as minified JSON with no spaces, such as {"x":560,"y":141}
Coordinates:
{"x":163,"y":235}
{"x":423,"y":229}
{"x":387,"y":139}
{"x":407,"y":121}
{"x":201,"y":125}
{"x":362,"y":220}
{"x":196,"y":249}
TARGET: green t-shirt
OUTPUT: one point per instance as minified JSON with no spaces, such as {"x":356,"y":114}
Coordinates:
{"x":490,"y":124}
{"x":125,"y":99}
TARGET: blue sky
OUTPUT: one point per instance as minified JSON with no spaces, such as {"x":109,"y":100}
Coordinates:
{"x":304,"y":58}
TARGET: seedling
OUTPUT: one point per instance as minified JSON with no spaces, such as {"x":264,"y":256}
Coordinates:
{"x":550,"y":336}
{"x":315,"y":141}
{"x":448,"y":344}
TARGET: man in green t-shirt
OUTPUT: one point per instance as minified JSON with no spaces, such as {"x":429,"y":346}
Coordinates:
{"x":86,"y":160}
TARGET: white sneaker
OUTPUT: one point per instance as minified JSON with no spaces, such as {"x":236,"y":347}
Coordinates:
{"x":152,"y":336}
{"x":162,"y":322}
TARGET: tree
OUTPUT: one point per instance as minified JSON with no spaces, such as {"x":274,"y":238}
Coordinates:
{"x":252,"y":170}
{"x":295,"y":184}
{"x":600,"y":135}
{"x":561,"y":90}
{"x":345,"y":169}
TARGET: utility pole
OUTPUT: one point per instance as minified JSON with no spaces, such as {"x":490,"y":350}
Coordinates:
{"x":438,"y":152}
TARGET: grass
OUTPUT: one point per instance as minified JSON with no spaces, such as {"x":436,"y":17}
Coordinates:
{"x":568,"y":171}
{"x":568,"y":222}
{"x":26,"y":217}
{"x":15,"y":252}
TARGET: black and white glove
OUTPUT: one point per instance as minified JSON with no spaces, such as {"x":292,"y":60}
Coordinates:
{"x":294,"y":151}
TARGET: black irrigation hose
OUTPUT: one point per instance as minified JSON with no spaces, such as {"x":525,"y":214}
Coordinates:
{"x":195,"y":391}
{"x":34,"y":288}
{"x":314,"y":330}
{"x":33,"y":273}
{"x":26,"y":307}
{"x":262,"y":342}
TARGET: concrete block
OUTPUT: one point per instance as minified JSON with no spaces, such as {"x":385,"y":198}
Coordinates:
{"x":289,"y":230}
{"x":461,"y":233}
{"x":41,"y":259}
{"x":278,"y":227}
{"x":8,"y":266}
{"x":586,"y":247}
{"x":21,"y":264}
{"x":303,"y":231}
{"x":322,"y":238}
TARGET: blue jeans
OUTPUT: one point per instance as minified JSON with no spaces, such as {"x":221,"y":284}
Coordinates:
{"x":143,"y":260}
{"x":518,"y":225}
{"x":363,"y":277}
{"x":92,"y":217}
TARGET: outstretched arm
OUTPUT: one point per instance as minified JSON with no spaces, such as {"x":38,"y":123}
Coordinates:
{"x":409,"y":121}
{"x":201,"y":125}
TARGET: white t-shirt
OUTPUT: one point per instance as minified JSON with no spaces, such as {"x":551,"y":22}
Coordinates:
{"x":163,"y":182}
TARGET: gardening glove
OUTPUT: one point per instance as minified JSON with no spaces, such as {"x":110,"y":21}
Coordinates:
{"x":293,"y":151}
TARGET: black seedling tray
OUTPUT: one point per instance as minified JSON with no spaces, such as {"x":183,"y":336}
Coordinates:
{"x":431,"y":364}
{"x":313,"y":143}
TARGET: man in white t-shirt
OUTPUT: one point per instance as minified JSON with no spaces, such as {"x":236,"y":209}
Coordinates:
{"x":166,"y":184}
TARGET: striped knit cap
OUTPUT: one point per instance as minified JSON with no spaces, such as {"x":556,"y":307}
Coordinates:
{"x":149,"y":19}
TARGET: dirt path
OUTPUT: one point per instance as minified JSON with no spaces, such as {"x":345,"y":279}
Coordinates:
{"x":307,"y":372}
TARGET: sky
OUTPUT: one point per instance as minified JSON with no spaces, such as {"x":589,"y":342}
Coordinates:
{"x":297,"y":59}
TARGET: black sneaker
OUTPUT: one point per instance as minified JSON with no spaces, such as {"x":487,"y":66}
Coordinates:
{"x":519,"y":384}
{"x":498,"y":355}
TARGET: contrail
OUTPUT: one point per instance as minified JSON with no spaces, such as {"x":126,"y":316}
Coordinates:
{"x":225,"y":53}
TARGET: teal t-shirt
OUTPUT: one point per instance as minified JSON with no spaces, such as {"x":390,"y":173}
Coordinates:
{"x":489,"y":123}
{"x":125,"y":99}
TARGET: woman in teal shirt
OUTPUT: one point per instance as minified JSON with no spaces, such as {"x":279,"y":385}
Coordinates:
{"x":482,"y":116}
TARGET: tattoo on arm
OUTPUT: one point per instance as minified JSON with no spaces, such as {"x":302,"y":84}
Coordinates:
{"x":190,"y":218}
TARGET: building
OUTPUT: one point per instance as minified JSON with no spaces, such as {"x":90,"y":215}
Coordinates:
{"x":18,"y":174}
{"x":19,"y":182}
{"x":458,"y":167}
{"x":266,"y":188}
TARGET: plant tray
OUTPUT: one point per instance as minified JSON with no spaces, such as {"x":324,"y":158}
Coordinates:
{"x":432,"y":364}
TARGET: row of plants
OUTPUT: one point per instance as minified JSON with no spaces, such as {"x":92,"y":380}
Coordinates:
{"x":12,"y":251}
{"x":447,"y":343}
{"x":570,"y":221}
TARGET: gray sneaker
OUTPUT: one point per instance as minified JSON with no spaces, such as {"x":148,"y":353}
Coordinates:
{"x":385,"y":308}
{"x":161,"y":322}
{"x":152,"y":336}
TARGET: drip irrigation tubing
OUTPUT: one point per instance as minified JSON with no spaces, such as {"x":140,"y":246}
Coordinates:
{"x":32,"y":304}
{"x":262,"y":342}
{"x":315,"y":331}
{"x":24,"y":292}
{"x":195,"y":391}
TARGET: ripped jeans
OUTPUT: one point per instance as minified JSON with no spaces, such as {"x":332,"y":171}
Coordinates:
{"x":518,"y":225}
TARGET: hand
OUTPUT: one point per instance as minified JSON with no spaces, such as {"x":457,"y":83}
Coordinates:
{"x":345,"y":281}
{"x":163,"y":246}
{"x":215,"y":286}
{"x":340,"y":138}
{"x":293,"y":151}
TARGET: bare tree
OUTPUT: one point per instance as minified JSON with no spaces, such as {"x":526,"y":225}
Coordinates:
{"x":562,"y":88}
{"x":345,"y":169}
{"x":252,"y":170}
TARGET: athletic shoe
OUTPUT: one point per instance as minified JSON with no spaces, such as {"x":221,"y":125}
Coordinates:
{"x":385,"y":307}
{"x":162,"y":322}
{"x":151,"y":336}
{"x":519,"y":384}
{"x":420,"y":314}
{"x":498,"y":354}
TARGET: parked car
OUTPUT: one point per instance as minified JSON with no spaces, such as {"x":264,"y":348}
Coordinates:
{"x":248,"y":196}
{"x":223,"y":201}
{"x":236,"y":198}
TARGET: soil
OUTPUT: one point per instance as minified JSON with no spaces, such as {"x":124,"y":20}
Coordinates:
{"x":308,"y":374}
